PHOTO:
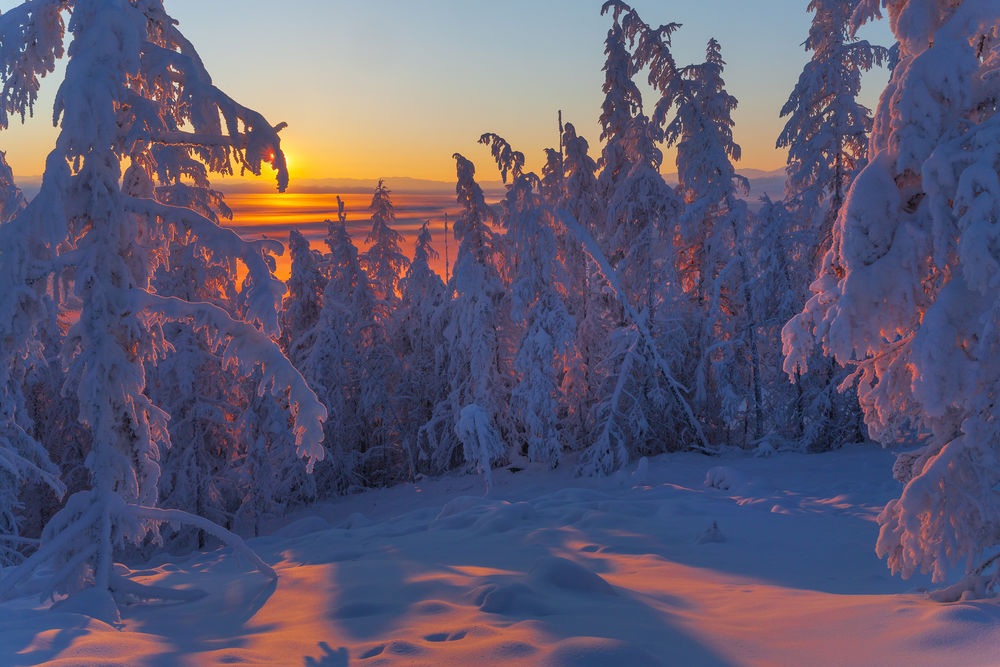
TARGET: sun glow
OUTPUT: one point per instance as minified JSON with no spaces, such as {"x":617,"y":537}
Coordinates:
{"x":271,"y":215}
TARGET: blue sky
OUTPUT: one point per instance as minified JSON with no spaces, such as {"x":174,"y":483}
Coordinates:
{"x":393,"y":88}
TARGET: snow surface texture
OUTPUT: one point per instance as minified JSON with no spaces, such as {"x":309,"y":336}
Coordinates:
{"x":688,"y":560}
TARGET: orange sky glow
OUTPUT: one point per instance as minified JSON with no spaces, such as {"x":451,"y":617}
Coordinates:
{"x":272,"y":215}
{"x":392,"y":90}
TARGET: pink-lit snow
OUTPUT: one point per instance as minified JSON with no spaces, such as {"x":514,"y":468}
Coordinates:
{"x":690,"y":560}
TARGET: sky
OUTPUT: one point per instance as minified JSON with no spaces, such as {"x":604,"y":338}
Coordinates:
{"x":394,"y":87}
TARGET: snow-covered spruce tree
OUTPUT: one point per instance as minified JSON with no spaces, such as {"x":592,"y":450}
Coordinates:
{"x":920,"y":224}
{"x":304,"y":301}
{"x":334,"y":364}
{"x":827,"y":140}
{"x":384,"y":261}
{"x":48,"y":416}
{"x":350,"y":364}
{"x":134,"y":88}
{"x":202,"y":393}
{"x":631,"y":416}
{"x":548,"y":328}
{"x":638,"y":409}
{"x":470,"y":422}
{"x":24,"y":463}
{"x":553,"y":181}
{"x":642,"y":208}
{"x":608,"y":457}
{"x":809,"y":413}
{"x":585,"y":298}
{"x":622,"y":102}
{"x":420,"y":321}
{"x":827,"y":129}
{"x":238,"y":461}
{"x":712,"y":235}
{"x":53,"y":417}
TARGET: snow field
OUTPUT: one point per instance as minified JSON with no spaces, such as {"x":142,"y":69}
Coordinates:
{"x":600,"y":572}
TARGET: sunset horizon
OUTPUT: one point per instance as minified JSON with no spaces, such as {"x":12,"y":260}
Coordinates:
{"x":567,"y":334}
{"x":450,"y":103}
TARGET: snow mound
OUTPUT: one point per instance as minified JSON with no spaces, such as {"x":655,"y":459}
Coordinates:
{"x":503,"y":517}
{"x":98,"y":605}
{"x":567,"y":575}
{"x":725,"y":478}
{"x":597,"y":652}
{"x":515,"y":599}
{"x":712,"y":534}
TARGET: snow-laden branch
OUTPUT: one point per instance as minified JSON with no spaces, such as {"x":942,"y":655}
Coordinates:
{"x":247,"y":345}
{"x":259,"y":143}
{"x":200,"y":139}
{"x":264,"y":295}
{"x":220,"y":533}
{"x":49,"y":549}
{"x":31,"y":40}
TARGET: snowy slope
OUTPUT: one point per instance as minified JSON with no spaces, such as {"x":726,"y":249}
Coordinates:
{"x":627,"y":570}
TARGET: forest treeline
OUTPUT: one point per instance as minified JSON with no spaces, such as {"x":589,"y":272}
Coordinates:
{"x":595,"y":315}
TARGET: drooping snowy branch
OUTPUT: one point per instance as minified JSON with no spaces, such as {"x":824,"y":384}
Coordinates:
{"x":264,"y":298}
{"x":248,"y":346}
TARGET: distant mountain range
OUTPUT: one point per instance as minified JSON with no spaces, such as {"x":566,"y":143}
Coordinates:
{"x":771,"y":183}
{"x":762,"y":182}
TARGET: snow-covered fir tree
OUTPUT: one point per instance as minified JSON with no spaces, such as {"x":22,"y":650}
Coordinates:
{"x":268,"y":481}
{"x":194,"y":382}
{"x":420,"y":321}
{"x":304,"y":300}
{"x":585,"y":298}
{"x":31,"y":412}
{"x":631,"y":417}
{"x":827,"y":140}
{"x":24,"y":463}
{"x":335,"y":365}
{"x":115,"y":234}
{"x":827,"y":129}
{"x":622,"y":102}
{"x":471,"y":421}
{"x":809,"y":413}
{"x":548,"y":328}
{"x":907,"y":293}
{"x":23,"y":460}
{"x":53,"y":416}
{"x":384,"y":261}
{"x":712,"y":262}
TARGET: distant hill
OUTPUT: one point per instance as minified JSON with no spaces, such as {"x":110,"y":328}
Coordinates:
{"x":770,"y":183}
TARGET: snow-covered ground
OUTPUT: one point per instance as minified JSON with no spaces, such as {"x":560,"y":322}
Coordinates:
{"x":772,"y":563}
